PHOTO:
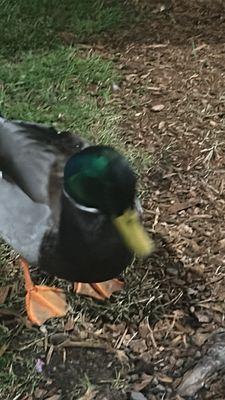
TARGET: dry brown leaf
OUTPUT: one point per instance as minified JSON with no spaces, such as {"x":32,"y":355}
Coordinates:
{"x":222,"y":243}
{"x":198,"y":269}
{"x":181,"y":328}
{"x":199,"y":338}
{"x":130,"y":77}
{"x":161,"y":125}
{"x":116,"y":329}
{"x":89,"y":395}
{"x":145,"y":380}
{"x":202,"y":318}
{"x":39,"y":393}
{"x":213,"y":123}
{"x":69,"y":325}
{"x":176,"y":340}
{"x":122,"y":357}
{"x":164,"y":378}
{"x":138,"y":346}
{"x":144,"y":329}
{"x":158,"y":107}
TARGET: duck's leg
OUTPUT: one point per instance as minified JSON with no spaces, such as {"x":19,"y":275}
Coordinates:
{"x":42,"y":302}
{"x":99,"y":291}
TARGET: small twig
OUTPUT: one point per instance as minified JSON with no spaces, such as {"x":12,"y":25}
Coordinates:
{"x":151,"y":334}
{"x":49,"y":355}
{"x":213,"y":361}
{"x":120,"y":340}
{"x":172,"y":324}
{"x":199,"y":216}
{"x":130,"y":340}
{"x":157,"y":214}
{"x":64,"y":355}
{"x":206,"y":301}
{"x":4,"y":348}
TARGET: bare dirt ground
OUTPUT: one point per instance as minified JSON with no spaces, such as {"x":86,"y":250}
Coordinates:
{"x":172,"y":98}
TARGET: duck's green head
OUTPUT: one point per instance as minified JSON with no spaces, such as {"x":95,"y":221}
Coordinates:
{"x":99,"y":177}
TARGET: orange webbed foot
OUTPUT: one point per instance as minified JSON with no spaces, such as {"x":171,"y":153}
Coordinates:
{"x":99,"y":291}
{"x":43,"y":302}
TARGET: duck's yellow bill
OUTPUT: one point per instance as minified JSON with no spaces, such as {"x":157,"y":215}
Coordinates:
{"x":133,"y":233}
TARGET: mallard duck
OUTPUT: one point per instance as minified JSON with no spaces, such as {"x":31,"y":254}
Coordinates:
{"x":69,"y":208}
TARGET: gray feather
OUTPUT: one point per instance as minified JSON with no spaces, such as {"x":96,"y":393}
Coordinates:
{"x":23,"y":222}
{"x":25,"y":159}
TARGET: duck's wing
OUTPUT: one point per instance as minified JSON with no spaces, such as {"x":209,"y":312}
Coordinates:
{"x":34,"y":155}
{"x":23,"y":222}
{"x":32,"y":159}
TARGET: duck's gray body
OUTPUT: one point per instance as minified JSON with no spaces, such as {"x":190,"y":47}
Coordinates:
{"x":30,"y":160}
{"x":39,"y":220}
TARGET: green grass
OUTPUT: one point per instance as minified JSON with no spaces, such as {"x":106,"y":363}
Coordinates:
{"x":67,"y":89}
{"x":17,"y":368}
{"x":43,"y":80}
{"x":17,"y":374}
{"x":63,"y":88}
{"x":33,"y":24}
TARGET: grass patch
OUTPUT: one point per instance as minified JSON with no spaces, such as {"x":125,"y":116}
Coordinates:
{"x":28,"y":24}
{"x":44,"y":81}
{"x":63,"y":88}
{"x":69,"y":90}
{"x":17,"y":369}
